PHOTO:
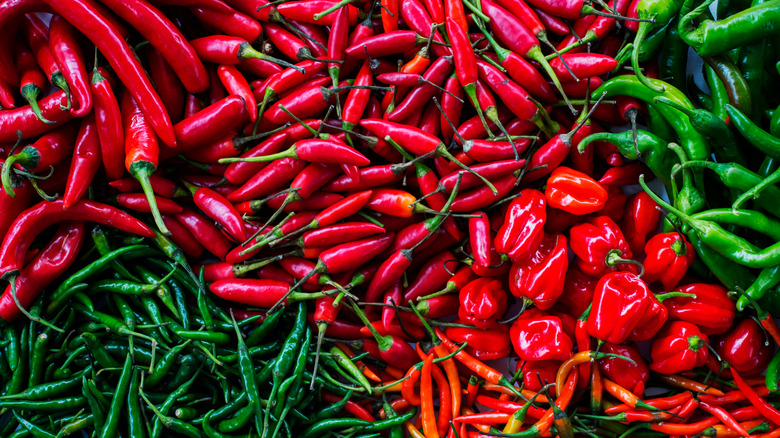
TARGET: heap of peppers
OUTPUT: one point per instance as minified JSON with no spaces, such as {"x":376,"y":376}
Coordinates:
{"x":364,"y":218}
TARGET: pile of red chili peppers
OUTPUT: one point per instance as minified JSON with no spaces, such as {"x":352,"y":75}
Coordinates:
{"x":444,"y":202}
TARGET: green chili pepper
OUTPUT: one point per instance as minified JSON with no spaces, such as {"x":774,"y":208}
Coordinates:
{"x":294,"y":388}
{"x":104,"y":248}
{"x":719,"y":95}
{"x":773,"y":372}
{"x":36,"y":431}
{"x":674,"y":57}
{"x":760,"y":139}
{"x":98,"y":409}
{"x":241,"y":419}
{"x":737,"y":88}
{"x":117,"y":402}
{"x":135,"y":422}
{"x":325,"y":426}
{"x":270,"y":323}
{"x":169,"y":402}
{"x":248,"y":376}
{"x":208,"y":430}
{"x":204,"y":336}
{"x":45,"y":406}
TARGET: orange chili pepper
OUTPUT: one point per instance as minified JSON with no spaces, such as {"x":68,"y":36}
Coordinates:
{"x":426,"y":396}
{"x":407,"y":387}
{"x":452,"y":376}
{"x":685,"y":383}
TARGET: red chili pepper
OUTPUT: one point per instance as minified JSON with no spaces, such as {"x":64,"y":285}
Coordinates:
{"x":745,"y":347}
{"x":312,"y":12}
{"x":85,"y":163}
{"x":641,"y":219}
{"x":34,"y":220}
{"x":25,"y":120}
{"x":433,"y":77}
{"x":268,"y":180}
{"x":108,"y":120}
{"x":47,"y":151}
{"x":583,"y":65}
{"x":337,"y":43}
{"x":220,"y":210}
{"x":538,"y":336}
{"x":205,"y":232}
{"x":622,"y":371}
{"x":210,"y":124}
{"x":241,"y":171}
{"x":314,"y":150}
{"x":482,"y":302}
{"x":540,"y":277}
{"x":51,"y":262}
{"x":574,"y":192}
{"x":599,"y":246}
{"x":724,"y":416}
{"x":161,"y":186}
{"x":236,"y":84}
{"x":182,"y":237}
{"x":679,"y":347}
{"x":32,"y":82}
{"x":229,"y":50}
{"x":668,"y":257}
{"x":624,"y":175}
{"x":66,"y":50}
{"x":619,"y":303}
{"x":37,"y":35}
{"x":488,"y":344}
{"x":523,"y":228}
{"x":535,"y":373}
{"x":430,"y":277}
{"x":138,"y":202}
{"x":230,"y":22}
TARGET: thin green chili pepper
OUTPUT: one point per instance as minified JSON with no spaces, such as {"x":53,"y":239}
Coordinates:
{"x":50,"y":389}
{"x":117,"y":402}
{"x":238,"y":421}
{"x":269,"y":323}
{"x":12,"y":348}
{"x":758,"y":220}
{"x":104,"y":248}
{"x":325,"y":426}
{"x":181,"y":303}
{"x":713,"y":37}
{"x":162,"y":291}
{"x":165,"y":364}
{"x":284,"y":359}
{"x":773,"y":372}
{"x":248,"y":376}
{"x":766,"y":280}
{"x":38,"y":358}
{"x":718,"y":93}
{"x":701,"y":98}
{"x":174,"y":253}
{"x":36,"y":431}
{"x":99,"y":351}
{"x":204,"y":336}
{"x":98,"y":409}
{"x":674,"y":57}
{"x":208,"y":430}
{"x":19,"y":378}
{"x":135,"y":422}
{"x":295,"y":387}
{"x":76,"y":424}
{"x":45,"y":406}
{"x":169,"y":402}
{"x":768,"y":166}
{"x":760,"y":139}
{"x":259,"y":351}
{"x":737,"y":88}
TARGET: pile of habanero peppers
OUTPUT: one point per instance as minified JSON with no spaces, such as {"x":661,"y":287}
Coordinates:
{"x":372,"y":218}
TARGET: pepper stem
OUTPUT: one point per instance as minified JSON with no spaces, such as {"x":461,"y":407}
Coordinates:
{"x":30,"y":93}
{"x":644,"y":28}
{"x":142,"y":170}
{"x":385,"y":342}
{"x":58,"y":80}
{"x":246,"y":51}
{"x":535,"y":54}
{"x":332,"y":9}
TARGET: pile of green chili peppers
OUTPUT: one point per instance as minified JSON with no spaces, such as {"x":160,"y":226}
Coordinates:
{"x":130,"y":344}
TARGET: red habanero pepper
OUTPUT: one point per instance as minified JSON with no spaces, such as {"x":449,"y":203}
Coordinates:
{"x":47,"y":151}
{"x":679,"y":346}
{"x":182,"y":237}
{"x":230,"y":22}
{"x":710,"y":307}
{"x":141,"y":151}
{"x":32,"y":82}
{"x":236,"y":84}
{"x":66,"y":50}
{"x":220,"y":210}
{"x":641,"y":219}
{"x":622,"y":371}
{"x":536,"y":372}
{"x":166,"y":38}
{"x":108,"y":120}
{"x":138,"y":202}
{"x":35,"y":219}
{"x":85,"y":162}
{"x":37,"y":35}
{"x":523,"y":228}
{"x":53,"y":260}
{"x":746,"y":348}
{"x":483,"y":344}
{"x":89,"y":21}
{"x":600,"y":246}
{"x":668,"y":257}
{"x":540,"y":277}
{"x":578,"y":291}
{"x":619,"y":303}
{"x":574,"y":192}
{"x":482,"y":302}
{"x":538,"y":336}
{"x":229,"y":50}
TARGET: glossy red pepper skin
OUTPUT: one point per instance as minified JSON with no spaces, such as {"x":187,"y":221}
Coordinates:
{"x":641,"y":220}
{"x":37,"y":34}
{"x":182,"y":237}
{"x":431,"y":276}
{"x":523,"y":228}
{"x":539,"y":336}
{"x":599,"y":244}
{"x":479,"y":237}
{"x":49,"y":150}
{"x":541,"y":276}
{"x":268,"y":180}
{"x":537,"y":371}
{"x":619,"y":304}
{"x":483,"y":344}
{"x":679,"y":347}
{"x":220,"y":210}
{"x":304,"y":11}
{"x":669,"y":255}
{"x":574,"y":192}
{"x":210,"y":124}
{"x":66,"y":50}
{"x":711,"y":309}
{"x":249,"y":291}
{"x":482,"y":302}
{"x":422,"y":93}
{"x":745,"y":347}
{"x":24,"y":119}
{"x":51,"y":262}
{"x":230,"y":22}
{"x":108,"y":119}
{"x":513,"y":96}
{"x":236,"y":84}
{"x":578,"y":291}
{"x":583,"y":65}
{"x":85,"y":162}
{"x":624,"y":373}
{"x":205,"y":232}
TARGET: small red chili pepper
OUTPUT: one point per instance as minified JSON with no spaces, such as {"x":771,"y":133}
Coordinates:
{"x":668,"y":257}
{"x":679,"y":347}
{"x":108,"y":119}
{"x":574,"y":192}
{"x":479,"y":236}
{"x":85,"y":162}
{"x":482,"y":302}
{"x":182,"y":237}
{"x":32,"y":82}
{"x":724,"y":416}
{"x":313,"y":150}
{"x":209,"y":125}
{"x":37,"y":35}
{"x":160,"y":185}
{"x":624,"y":175}
{"x":540,"y":277}
{"x":229,"y":22}
{"x":138,"y":202}
{"x":205,"y":232}
{"x":538,"y":336}
{"x":599,"y":246}
{"x":229,"y":50}
{"x":220,"y":210}
{"x":268,"y":180}
{"x":423,"y":91}
{"x":523,"y":228}
{"x":236,"y":84}
{"x":416,"y":16}
{"x":583,"y":65}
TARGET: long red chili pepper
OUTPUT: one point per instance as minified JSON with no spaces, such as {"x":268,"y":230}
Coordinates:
{"x":37,"y":35}
{"x":53,"y":260}
{"x":220,"y":209}
{"x":85,"y":163}
{"x":167,"y":84}
{"x":108,"y":119}
{"x":39,"y":217}
{"x":88,"y":20}
{"x":32,"y":82}
{"x":230,"y":22}
{"x":235,"y":83}
{"x":68,"y":54}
